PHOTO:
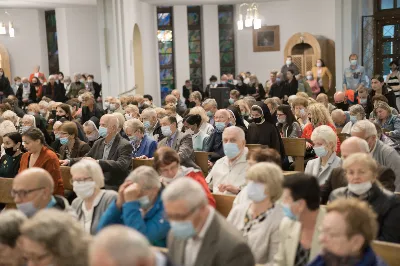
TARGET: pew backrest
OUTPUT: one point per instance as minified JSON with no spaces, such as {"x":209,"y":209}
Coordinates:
{"x":295,"y":147}
{"x":253,"y":146}
{"x":343,"y":136}
{"x":5,"y":192}
{"x":201,"y":159}
{"x":139,"y":162}
{"x":388,"y":252}
{"x":224,"y":203}
{"x":67,"y":177}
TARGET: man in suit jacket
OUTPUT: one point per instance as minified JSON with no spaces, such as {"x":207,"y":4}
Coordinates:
{"x":119,"y":245}
{"x":199,"y":235}
{"x":180,"y":142}
{"x":112,"y":152}
{"x":338,"y":179}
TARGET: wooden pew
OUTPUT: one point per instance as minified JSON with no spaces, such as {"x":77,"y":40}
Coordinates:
{"x":139,"y":162}
{"x":343,"y":136}
{"x":67,"y":177}
{"x":5,"y":192}
{"x":253,"y":146}
{"x":295,"y":148}
{"x":224,"y":203}
{"x":201,"y":159}
{"x":389,"y":252}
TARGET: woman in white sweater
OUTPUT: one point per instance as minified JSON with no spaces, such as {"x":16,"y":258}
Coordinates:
{"x":259,"y":219}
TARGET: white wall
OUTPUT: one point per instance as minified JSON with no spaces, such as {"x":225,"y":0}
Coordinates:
{"x":78,"y":41}
{"x":210,"y":39}
{"x":29,"y":47}
{"x":313,"y":16}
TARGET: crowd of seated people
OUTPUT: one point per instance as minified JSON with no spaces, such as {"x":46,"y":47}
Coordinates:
{"x":111,"y":212}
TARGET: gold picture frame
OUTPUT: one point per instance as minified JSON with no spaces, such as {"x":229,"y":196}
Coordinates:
{"x":266,"y":39}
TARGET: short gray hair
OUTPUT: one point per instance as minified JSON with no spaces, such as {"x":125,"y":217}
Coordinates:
{"x":134,"y":124}
{"x":210,"y":101}
{"x":31,"y":118}
{"x":150,"y":111}
{"x":9,"y":115}
{"x":326,"y":134}
{"x":185,"y":189}
{"x":11,"y":221}
{"x":146,"y":176}
{"x":44,"y":104}
{"x":91,"y":169}
{"x":366,"y":127}
{"x":124,"y":245}
{"x":237,"y":130}
{"x":357,"y":109}
{"x":7,"y":127}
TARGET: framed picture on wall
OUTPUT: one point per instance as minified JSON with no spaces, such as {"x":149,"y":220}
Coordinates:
{"x":266,"y":39}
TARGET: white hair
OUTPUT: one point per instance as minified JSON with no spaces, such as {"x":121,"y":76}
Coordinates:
{"x":210,"y":101}
{"x":31,"y":118}
{"x":236,"y":130}
{"x":366,"y":127}
{"x":357,"y":109}
{"x":91,"y":169}
{"x":121,"y":119}
{"x":6,"y":127}
{"x":124,"y":245}
{"x":52,"y":77}
{"x":326,"y":134}
{"x":186,"y":189}
{"x":134,"y":124}
{"x":11,"y":221}
{"x":150,"y":111}
{"x":146,"y":176}
{"x":337,"y":113}
{"x":44,"y":104}
{"x":9,"y":115}
{"x":292,"y":98}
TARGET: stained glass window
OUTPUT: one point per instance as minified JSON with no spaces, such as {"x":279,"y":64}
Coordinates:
{"x":195,"y":50}
{"x":52,"y":44}
{"x":166,"y":50}
{"x":387,"y":4}
{"x":226,"y":39}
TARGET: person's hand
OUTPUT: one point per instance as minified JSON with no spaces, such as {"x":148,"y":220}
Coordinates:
{"x":89,"y":158}
{"x":232,"y":189}
{"x":132,"y":192}
{"x":221,"y":188}
{"x":64,"y":162}
{"x":143,"y":157}
{"x":51,"y":121}
{"x":308,"y":146}
{"x":121,"y":197}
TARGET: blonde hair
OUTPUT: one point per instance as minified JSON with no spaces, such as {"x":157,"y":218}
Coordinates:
{"x":269,"y":174}
{"x":361,"y":158}
{"x":91,"y":169}
{"x":256,"y":83}
{"x":327,"y":135}
{"x":201,"y":112}
{"x":242,"y":103}
{"x":302,"y":95}
{"x":135,"y":124}
{"x":34,"y":107}
{"x":384,"y":106}
{"x":160,"y":112}
{"x":132,"y":108}
{"x":196,"y":95}
{"x":319,"y":114}
{"x":7,"y":127}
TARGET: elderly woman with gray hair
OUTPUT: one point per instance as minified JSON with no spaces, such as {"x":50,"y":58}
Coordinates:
{"x":387,"y":121}
{"x":357,"y":113}
{"x":139,"y":206}
{"x":324,"y":140}
{"x":11,"y":221}
{"x":259,"y":219}
{"x":92,"y":200}
{"x":143,"y":146}
{"x":52,"y":237}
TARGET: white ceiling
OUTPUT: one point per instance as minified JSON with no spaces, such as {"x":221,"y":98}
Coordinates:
{"x":45,"y":4}
{"x":203,"y":2}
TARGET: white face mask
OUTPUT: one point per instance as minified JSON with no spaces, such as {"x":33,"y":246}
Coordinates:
{"x":84,"y":190}
{"x":360,"y":188}
{"x":128,"y":117}
{"x":319,"y":65}
{"x":288,"y":62}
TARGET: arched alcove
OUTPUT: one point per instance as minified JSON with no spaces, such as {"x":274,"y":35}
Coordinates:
{"x":5,"y":61}
{"x":138,"y":60}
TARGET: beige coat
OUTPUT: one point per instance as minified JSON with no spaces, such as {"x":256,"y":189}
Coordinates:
{"x":290,"y":236}
{"x":326,"y":75}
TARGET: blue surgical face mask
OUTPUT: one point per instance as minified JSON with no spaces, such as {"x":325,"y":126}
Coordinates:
{"x":146,"y":124}
{"x":320,"y":151}
{"x":103,"y":131}
{"x":302,"y":112}
{"x":278,"y":79}
{"x":288,"y":212}
{"x":353,"y":62}
{"x":27,"y":208}
{"x":133,"y":138}
{"x":223,"y":82}
{"x":166,"y":131}
{"x":353,"y":119}
{"x":220,"y":126}
{"x":25,"y":128}
{"x":231,"y":150}
{"x":57,"y":136}
{"x":182,"y":229}
{"x":144,"y":202}
{"x":256,"y":191}
{"x":363,"y":100}
{"x":210,"y":114}
{"x":231,"y":101}
{"x":63,"y":141}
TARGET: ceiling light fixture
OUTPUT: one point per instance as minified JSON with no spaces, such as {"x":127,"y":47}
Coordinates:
{"x":252,"y":18}
{"x":3,"y":28}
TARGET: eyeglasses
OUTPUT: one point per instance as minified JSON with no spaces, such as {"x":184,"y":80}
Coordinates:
{"x":23,"y":193}
{"x":81,"y":181}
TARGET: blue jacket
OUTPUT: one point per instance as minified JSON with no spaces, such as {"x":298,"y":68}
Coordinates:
{"x":153,"y":225}
{"x":369,"y":259}
{"x":147,"y":147}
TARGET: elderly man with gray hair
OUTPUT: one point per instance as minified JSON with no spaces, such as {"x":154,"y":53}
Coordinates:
{"x":337,"y":177}
{"x":120,"y":246}
{"x":139,"y":206}
{"x":112,"y":152}
{"x":382,"y":153}
{"x":228,"y":176}
{"x":199,"y":235}
{"x":11,"y":221}
{"x":211,"y":107}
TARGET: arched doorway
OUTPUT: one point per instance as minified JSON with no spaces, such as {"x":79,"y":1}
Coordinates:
{"x":138,"y":60}
{"x":5,"y":61}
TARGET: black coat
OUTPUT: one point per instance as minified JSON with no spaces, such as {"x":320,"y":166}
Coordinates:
{"x":389,"y":94}
{"x":86,"y":114}
{"x":58,"y":90}
{"x":243,"y":89}
{"x":276,"y":90}
{"x":5,"y":86}
{"x":385,"y":204}
{"x":32,"y":95}
{"x":290,"y":88}
{"x":258,"y":93}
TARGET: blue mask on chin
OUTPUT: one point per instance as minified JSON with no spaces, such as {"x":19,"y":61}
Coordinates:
{"x":182,"y":229}
{"x":288,"y":212}
{"x":27,"y":208}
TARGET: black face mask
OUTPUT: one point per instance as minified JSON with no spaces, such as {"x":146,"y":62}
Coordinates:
{"x":58,"y":117}
{"x":192,"y":104}
{"x":10,"y":151}
{"x":257,"y":120}
{"x":34,"y":83}
{"x":53,"y":112}
{"x":344,"y":106}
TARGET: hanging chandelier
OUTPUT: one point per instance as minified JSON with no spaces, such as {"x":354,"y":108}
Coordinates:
{"x":252,"y":18}
{"x":3,"y":27}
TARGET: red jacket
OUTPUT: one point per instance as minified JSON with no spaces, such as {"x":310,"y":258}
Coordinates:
{"x":198,"y":176}
{"x":308,"y":130}
{"x":48,"y":161}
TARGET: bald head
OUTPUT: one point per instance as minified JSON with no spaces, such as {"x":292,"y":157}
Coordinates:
{"x":110,"y":122}
{"x":224,"y":78}
{"x":235,"y":131}
{"x":34,"y":177}
{"x":339,"y":97}
{"x":118,"y":245}
{"x":222,"y":115}
{"x":353,"y":145}
{"x":176,"y":93}
{"x":338,"y":117}
{"x":170,"y":99}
